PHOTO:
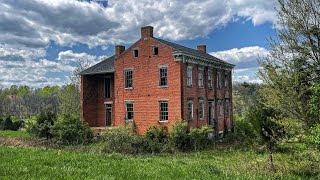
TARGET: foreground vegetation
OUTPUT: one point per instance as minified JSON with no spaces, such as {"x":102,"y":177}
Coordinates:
{"x":33,"y":163}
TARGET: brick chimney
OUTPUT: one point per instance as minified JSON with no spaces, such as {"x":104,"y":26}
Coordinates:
{"x":118,"y":50}
{"x":146,"y":32}
{"x":202,"y":48}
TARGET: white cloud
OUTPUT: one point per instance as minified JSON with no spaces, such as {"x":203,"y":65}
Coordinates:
{"x":242,"y":57}
{"x":27,"y":27}
{"x":245,"y":60}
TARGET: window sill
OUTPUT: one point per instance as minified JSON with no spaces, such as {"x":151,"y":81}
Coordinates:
{"x":210,"y":88}
{"x":163,"y":121}
{"x":189,"y":86}
{"x":201,"y":87}
{"x":129,"y":120}
{"x":130,"y":88}
{"x":163,"y":86}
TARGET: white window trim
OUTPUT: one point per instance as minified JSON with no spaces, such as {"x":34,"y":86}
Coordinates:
{"x":209,"y":74}
{"x":153,"y":47}
{"x":200,"y":70}
{"x":133,"y":52}
{"x":124,"y":79}
{"x":159,"y":67}
{"x":126,"y":109}
{"x":201,"y":101}
{"x":192,"y":116}
{"x":161,"y":101}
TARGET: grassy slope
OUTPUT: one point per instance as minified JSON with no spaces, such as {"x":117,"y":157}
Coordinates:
{"x":33,"y":163}
{"x":14,"y":134}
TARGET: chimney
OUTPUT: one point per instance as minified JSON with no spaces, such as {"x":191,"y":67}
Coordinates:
{"x":202,"y":48}
{"x":118,"y":50}
{"x":146,"y":32}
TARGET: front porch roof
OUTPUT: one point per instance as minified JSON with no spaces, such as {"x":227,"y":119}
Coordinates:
{"x":105,"y":66}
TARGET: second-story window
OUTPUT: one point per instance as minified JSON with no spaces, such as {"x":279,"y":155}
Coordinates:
{"x":209,"y":78}
{"x":163,"y":76}
{"x":219,"y":80}
{"x":226,"y":81}
{"x":201,"y":109}
{"x":189,"y":76}
{"x":190,"y":110}
{"x":107,"y":87}
{"x":155,"y":50}
{"x":135,"y":52}
{"x":219,"y":108}
{"x":200,"y":77}
{"x":128,"y":78}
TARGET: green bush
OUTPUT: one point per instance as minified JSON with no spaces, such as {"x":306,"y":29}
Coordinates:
{"x":199,"y":137}
{"x":8,"y":124}
{"x":314,"y":136}
{"x":41,"y":128}
{"x":179,"y":137}
{"x":69,"y":129}
{"x":156,"y":139}
{"x":120,"y":140}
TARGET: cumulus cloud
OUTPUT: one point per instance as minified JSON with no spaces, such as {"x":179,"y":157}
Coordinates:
{"x":245,"y":60}
{"x":27,"y":27}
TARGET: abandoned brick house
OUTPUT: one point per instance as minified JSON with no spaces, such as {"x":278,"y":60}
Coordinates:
{"x":158,"y":82}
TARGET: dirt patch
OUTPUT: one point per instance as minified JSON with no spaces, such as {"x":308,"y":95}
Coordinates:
{"x":18,"y":142}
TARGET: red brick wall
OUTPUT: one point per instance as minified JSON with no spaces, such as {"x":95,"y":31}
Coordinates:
{"x":146,"y":92}
{"x":93,"y":100}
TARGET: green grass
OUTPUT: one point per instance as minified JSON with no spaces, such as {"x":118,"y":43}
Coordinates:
{"x":40,"y":163}
{"x":14,"y":134}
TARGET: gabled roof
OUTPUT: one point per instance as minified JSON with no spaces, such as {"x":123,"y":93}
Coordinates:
{"x":105,"y":66}
{"x":190,"y":51}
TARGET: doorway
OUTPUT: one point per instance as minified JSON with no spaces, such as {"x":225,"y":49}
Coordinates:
{"x":211,"y":114}
{"x":108,"y":114}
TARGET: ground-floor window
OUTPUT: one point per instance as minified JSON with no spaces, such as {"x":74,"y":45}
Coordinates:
{"x":164,"y":111}
{"x":201,"y":109}
{"x":227,"y":112}
{"x":129,"y":110}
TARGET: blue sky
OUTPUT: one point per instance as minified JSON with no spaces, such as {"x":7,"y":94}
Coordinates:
{"x":42,"y":41}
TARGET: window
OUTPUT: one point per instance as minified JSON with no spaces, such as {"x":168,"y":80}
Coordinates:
{"x":163,"y":76}
{"x":219,"y":109}
{"x":190,"y":110}
{"x":219,"y":80}
{"x":164,"y":111}
{"x":129,"y":110}
{"x":226,"y":108}
{"x":226,"y":81}
{"x":135,"y":53}
{"x":128,"y":78}
{"x":209,"y":78}
{"x":155,"y":50}
{"x":200,"y":77}
{"x":189,"y":76}
{"x":107,"y":88}
{"x":201,"y":109}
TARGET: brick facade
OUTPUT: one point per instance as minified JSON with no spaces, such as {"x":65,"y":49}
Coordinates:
{"x":146,"y":92}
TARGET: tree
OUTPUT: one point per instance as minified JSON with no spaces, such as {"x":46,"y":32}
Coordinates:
{"x":293,"y":65}
{"x":69,"y":98}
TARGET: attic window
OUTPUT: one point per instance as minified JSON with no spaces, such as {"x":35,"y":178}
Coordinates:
{"x":155,"y":50}
{"x":135,"y":53}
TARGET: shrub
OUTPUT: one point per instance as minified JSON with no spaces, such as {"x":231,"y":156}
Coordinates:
{"x":156,"y":138}
{"x":179,"y":137}
{"x":8,"y":124}
{"x":199,"y":137}
{"x":69,"y":129}
{"x":120,"y":140}
{"x":41,"y":128}
{"x":314,"y":136}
